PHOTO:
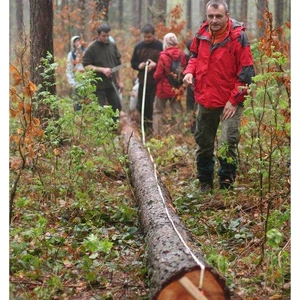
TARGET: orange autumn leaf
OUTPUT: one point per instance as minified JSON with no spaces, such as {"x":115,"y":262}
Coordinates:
{"x":14,"y":138}
{"x":19,"y":130}
{"x":243,"y":121}
{"x":17,"y":78}
{"x":56,"y":152}
{"x":20,"y":106}
{"x":12,"y":91}
{"x":30,"y":151}
{"x":15,"y":163}
{"x":28,"y":108}
{"x":36,"y":121}
{"x":259,"y":23}
{"x":30,"y":89}
{"x":12,"y":69}
{"x":32,"y":130}
{"x":13,"y":112}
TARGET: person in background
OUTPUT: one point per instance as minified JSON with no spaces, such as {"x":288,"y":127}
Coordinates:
{"x":146,"y":51}
{"x":190,"y":99}
{"x":134,"y":94}
{"x":133,"y":99}
{"x":165,"y":92}
{"x":102,"y":56}
{"x":221,"y":67}
{"x":74,"y":65}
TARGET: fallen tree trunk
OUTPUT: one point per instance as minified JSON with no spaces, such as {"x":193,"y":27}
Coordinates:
{"x":172,"y":259}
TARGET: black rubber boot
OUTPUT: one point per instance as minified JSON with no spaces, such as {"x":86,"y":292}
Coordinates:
{"x":206,"y":187}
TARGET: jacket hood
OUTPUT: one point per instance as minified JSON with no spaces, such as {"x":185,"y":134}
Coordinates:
{"x":175,"y":52}
{"x":73,"y":38}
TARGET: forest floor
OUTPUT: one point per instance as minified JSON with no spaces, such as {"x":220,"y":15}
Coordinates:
{"x":227,"y":226}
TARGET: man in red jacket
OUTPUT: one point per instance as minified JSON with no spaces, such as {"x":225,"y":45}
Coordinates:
{"x":221,"y":67}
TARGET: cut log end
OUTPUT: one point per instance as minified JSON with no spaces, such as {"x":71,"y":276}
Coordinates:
{"x":186,"y":288}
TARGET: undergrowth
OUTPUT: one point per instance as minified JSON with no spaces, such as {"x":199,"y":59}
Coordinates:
{"x":74,"y":230}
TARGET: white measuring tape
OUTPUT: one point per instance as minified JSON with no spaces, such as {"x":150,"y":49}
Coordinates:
{"x":199,"y":263}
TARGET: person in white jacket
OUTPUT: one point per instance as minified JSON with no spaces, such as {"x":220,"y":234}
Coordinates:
{"x":74,"y":64}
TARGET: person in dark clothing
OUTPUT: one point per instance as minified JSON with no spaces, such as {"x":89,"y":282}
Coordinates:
{"x":146,"y":51}
{"x":190,"y":99}
{"x":101,"y":56}
{"x":221,"y":67}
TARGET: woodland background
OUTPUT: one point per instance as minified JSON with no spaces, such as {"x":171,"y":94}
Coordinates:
{"x":126,"y":18}
{"x":74,"y":231}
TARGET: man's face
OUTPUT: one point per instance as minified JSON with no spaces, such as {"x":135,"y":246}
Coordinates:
{"x":103,"y":37}
{"x":217,"y":17}
{"x":148,"y":37}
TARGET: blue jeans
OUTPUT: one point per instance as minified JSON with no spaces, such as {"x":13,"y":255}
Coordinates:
{"x":207,"y":123}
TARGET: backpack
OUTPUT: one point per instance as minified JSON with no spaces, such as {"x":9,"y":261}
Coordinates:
{"x":175,"y":76}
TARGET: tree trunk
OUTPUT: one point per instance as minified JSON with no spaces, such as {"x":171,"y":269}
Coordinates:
{"x":102,"y":7}
{"x":261,"y":6}
{"x":20,"y":19}
{"x":244,"y":11}
{"x":41,"y":42}
{"x":81,"y":6}
{"x":202,"y":11}
{"x":189,"y":15}
{"x":279,"y":9}
{"x":121,"y":13}
{"x":174,"y":269}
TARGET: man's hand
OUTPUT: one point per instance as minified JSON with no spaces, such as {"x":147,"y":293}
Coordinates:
{"x":152,"y":65}
{"x":229,"y":110}
{"x":107,"y":72}
{"x":120,"y":85}
{"x":142,"y":65}
{"x":188,"y":79}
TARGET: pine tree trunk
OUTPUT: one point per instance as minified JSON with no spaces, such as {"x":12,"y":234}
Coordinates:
{"x":173,"y":271}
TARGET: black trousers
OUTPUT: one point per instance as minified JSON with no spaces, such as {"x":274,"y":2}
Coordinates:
{"x":207,"y":124}
{"x":109,"y":96}
{"x":148,"y":105}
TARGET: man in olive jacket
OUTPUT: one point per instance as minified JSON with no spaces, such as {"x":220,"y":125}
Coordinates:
{"x":101,"y":56}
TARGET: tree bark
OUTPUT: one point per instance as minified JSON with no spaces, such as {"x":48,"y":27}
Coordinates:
{"x":244,"y":11}
{"x":102,"y":7}
{"x":20,"y":19}
{"x":279,"y":9}
{"x":173,"y":272}
{"x":41,"y":42}
{"x":202,"y":9}
{"x":261,"y":6}
{"x":41,"y":36}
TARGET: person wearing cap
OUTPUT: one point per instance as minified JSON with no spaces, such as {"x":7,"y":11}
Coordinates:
{"x":74,"y":65}
{"x":102,"y":56}
{"x":165,"y":92}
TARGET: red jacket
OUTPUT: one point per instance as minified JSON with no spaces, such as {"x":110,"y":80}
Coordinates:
{"x":164,"y":89}
{"x":219,"y":70}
